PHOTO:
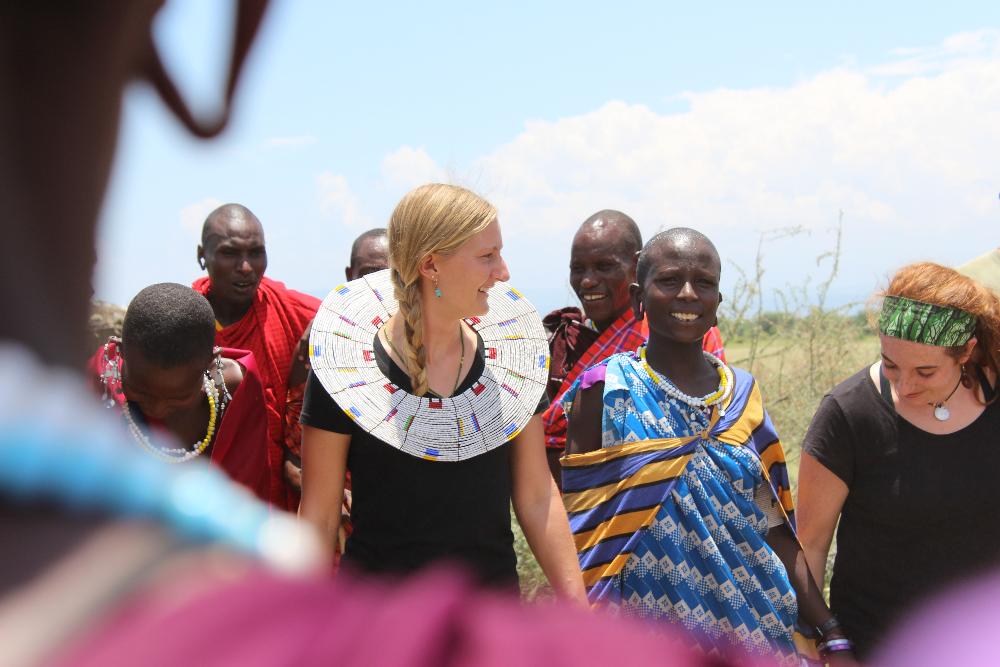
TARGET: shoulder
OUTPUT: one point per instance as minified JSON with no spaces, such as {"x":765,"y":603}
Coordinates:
{"x":277,"y":290}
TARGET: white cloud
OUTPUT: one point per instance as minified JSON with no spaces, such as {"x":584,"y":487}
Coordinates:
{"x":911,"y":162}
{"x":336,"y":199}
{"x":408,"y":167}
{"x":192,"y":216}
{"x":294,"y":141}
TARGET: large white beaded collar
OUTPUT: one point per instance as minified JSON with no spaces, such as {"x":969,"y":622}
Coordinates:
{"x":479,"y":419}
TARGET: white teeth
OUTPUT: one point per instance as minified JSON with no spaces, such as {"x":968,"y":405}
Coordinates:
{"x":684,"y":317}
{"x":592,"y":297}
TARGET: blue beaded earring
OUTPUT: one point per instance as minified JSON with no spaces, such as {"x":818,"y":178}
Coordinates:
{"x":437,"y":290}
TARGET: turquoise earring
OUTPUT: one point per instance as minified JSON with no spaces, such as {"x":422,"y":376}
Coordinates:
{"x":437,"y":290}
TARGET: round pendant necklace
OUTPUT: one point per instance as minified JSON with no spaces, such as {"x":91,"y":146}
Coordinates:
{"x":941,"y":411}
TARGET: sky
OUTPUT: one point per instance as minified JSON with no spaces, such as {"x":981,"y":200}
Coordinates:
{"x":772,"y":127}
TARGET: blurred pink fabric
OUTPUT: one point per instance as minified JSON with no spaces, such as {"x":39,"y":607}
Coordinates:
{"x":960,"y":627}
{"x":435,"y":619}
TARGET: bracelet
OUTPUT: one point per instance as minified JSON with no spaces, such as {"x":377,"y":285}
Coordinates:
{"x":835,"y":646}
{"x":825,"y":628}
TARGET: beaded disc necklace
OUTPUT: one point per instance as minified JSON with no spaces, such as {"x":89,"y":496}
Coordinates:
{"x":181,"y":454}
{"x":717,"y":397}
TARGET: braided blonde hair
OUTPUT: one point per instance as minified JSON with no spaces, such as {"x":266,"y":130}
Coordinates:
{"x":433,"y":218}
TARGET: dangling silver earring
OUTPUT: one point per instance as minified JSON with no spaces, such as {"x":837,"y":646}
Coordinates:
{"x":201,"y":262}
{"x":219,"y":378}
{"x":111,"y":375}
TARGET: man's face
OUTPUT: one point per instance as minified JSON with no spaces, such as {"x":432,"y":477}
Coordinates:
{"x":236,"y":259}
{"x":372,"y":256}
{"x":600,"y":272}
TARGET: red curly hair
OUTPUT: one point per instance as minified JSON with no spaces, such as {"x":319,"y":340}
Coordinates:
{"x":943,"y":286}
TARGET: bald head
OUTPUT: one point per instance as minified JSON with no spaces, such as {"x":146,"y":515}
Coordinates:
{"x":613,"y":227}
{"x":221,"y":222}
{"x":682,"y":242}
{"x":232,"y":251}
{"x":602,"y":265}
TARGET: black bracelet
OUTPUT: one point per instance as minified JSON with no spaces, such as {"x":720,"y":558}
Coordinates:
{"x":828,"y":626}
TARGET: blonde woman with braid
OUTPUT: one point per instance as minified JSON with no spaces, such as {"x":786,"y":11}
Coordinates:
{"x":438,"y":437}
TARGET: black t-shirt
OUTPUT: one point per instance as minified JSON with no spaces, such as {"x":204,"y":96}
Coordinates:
{"x":920,"y":511}
{"x":408,"y":512}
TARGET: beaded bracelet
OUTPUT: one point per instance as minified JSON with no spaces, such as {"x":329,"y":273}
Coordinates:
{"x":835,"y":646}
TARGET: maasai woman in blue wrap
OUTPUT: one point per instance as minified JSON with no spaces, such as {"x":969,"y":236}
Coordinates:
{"x":675,"y":481}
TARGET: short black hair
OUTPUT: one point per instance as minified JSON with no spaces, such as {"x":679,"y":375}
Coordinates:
{"x":674,"y":235}
{"x":631,"y":238}
{"x":170,"y":325}
{"x":370,"y":234}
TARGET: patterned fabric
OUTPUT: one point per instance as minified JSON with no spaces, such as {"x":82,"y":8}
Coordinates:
{"x":625,"y":333}
{"x":925,"y":322}
{"x":271,"y":330}
{"x":664,"y":515}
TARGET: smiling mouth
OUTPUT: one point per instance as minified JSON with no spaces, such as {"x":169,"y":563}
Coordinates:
{"x":593,"y":297}
{"x":684,"y":317}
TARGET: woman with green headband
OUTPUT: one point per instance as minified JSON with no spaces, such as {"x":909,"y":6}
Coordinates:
{"x":906,"y":455}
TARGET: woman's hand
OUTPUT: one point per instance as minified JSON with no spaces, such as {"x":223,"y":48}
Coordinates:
{"x":541,"y":513}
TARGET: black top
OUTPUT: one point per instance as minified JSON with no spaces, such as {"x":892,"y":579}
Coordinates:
{"x":408,"y":512}
{"x":920,"y":509}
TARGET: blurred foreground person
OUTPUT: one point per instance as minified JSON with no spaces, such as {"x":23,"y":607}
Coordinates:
{"x":905,"y":455}
{"x":431,"y":401}
{"x":601,"y":268}
{"x":166,"y":375}
{"x":67,"y":469}
{"x":261,"y":315}
{"x":675,"y":481}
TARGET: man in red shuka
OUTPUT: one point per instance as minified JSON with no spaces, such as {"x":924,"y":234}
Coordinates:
{"x":257,"y":314}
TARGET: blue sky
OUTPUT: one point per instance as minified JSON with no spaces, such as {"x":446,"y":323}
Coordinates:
{"x":729,"y":118}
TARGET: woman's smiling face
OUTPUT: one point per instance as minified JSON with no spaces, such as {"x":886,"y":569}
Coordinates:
{"x":680,"y":288}
{"x":466,"y":275}
{"x":920,"y":373}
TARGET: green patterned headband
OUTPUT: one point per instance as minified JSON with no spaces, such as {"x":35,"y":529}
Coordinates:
{"x":925,"y":323}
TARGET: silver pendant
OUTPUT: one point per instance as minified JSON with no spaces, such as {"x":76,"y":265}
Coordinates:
{"x":941,"y":413}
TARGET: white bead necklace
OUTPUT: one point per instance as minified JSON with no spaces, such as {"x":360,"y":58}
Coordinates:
{"x":181,"y":455}
{"x":717,"y":397}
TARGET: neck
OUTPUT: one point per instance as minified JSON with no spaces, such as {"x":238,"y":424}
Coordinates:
{"x":440,"y":334}
{"x":683,"y":363}
{"x":227,"y":312}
